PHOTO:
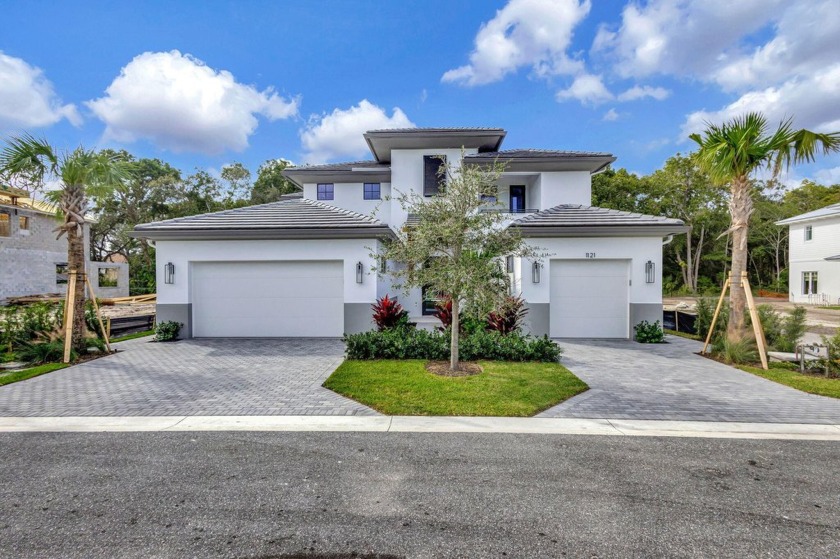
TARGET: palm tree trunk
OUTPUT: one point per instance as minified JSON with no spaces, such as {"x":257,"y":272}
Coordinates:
{"x":740,"y":209}
{"x":76,"y":261}
{"x":456,"y":328}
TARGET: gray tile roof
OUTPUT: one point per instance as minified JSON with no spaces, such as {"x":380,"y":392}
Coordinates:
{"x":344,"y":166}
{"x":570,"y":215}
{"x":828,"y":211}
{"x":532,"y":153}
{"x":285,"y":215}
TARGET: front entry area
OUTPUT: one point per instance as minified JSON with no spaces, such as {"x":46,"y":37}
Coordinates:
{"x":589,"y":299}
{"x":267,"y":299}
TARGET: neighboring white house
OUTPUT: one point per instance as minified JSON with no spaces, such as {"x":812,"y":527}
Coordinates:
{"x":815,"y":256}
{"x":303,"y":267}
{"x":34,"y":262}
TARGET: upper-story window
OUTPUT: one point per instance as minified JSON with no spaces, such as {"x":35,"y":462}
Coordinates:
{"x":5,"y":225}
{"x":809,"y":232}
{"x":434,"y":174}
{"x":326,"y":191}
{"x":517,"y":198}
{"x":373,"y":191}
{"x":23,"y":222}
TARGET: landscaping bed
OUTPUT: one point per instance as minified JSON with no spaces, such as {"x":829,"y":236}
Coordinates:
{"x":502,"y":389}
{"x":783,"y":373}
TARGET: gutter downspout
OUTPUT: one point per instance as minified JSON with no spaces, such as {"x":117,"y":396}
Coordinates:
{"x":667,"y":240}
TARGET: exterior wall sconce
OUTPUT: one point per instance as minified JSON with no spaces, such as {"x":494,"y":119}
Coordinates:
{"x":383,"y":265}
{"x":169,"y":273}
{"x":535,"y":272}
{"x":650,"y":272}
{"x":360,"y":271}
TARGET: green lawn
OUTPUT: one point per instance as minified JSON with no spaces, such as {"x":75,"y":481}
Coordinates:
{"x":505,"y":389}
{"x":23,"y":374}
{"x":132,"y":336}
{"x":807,"y":383}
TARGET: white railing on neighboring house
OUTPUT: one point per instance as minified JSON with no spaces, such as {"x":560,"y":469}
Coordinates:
{"x":822,"y":299}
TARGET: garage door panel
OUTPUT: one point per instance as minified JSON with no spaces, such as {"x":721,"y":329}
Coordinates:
{"x":589,"y":299}
{"x":268,"y":299}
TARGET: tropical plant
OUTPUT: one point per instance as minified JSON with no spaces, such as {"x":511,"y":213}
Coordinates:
{"x":388,"y":313}
{"x":705,"y":309}
{"x":782,"y":332}
{"x":731,"y":153}
{"x":454,"y":248}
{"x":443,"y":312}
{"x":647,"y":333}
{"x":508,"y":317}
{"x":741,"y":349}
{"x":79,"y":173}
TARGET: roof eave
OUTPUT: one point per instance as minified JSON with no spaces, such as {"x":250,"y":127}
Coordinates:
{"x":374,"y":231}
{"x":302,"y":176}
{"x":600,"y":230}
{"x":593,"y":164}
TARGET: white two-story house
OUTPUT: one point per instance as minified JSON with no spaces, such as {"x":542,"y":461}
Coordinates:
{"x":306,"y":266}
{"x":814,"y":255}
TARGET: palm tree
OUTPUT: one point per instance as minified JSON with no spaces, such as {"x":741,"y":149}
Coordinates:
{"x":730,"y":153}
{"x":78,"y":173}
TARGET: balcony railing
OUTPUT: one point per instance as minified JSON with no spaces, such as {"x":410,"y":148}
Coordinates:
{"x":509,"y":211}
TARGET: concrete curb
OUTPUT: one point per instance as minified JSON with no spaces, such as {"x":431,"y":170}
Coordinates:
{"x":401,"y":424}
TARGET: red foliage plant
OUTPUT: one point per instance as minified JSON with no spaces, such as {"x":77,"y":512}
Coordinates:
{"x":508,"y":318}
{"x":443,"y":312}
{"x":388,"y":313}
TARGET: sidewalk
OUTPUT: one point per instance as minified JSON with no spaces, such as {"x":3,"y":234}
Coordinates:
{"x":403,"y":424}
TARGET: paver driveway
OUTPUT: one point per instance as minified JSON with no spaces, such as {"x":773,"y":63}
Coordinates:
{"x":668,"y":381}
{"x":191,"y":377}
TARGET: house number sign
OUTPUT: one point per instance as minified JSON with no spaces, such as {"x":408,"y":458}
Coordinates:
{"x":590,"y":255}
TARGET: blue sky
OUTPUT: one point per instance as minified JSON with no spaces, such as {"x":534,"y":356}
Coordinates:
{"x":202,"y":84}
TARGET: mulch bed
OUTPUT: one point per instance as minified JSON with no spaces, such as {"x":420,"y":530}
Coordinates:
{"x":465,"y":369}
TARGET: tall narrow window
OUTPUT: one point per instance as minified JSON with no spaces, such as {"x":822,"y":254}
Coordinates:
{"x":517,"y":198}
{"x":23,"y":223}
{"x":372,"y":191}
{"x":61,"y":271}
{"x":326,"y":191}
{"x":434,"y":174}
{"x":809,"y":283}
{"x":109,"y":277}
{"x":809,"y":232}
{"x":5,"y":225}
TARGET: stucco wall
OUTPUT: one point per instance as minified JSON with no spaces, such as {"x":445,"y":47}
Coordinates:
{"x":809,"y":256}
{"x":350,"y":196}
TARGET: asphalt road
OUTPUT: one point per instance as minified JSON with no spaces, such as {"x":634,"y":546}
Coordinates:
{"x":337,"y":495}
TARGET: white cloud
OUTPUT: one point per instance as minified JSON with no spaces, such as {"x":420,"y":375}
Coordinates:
{"x":339,"y":134}
{"x":525,"y":33}
{"x":27,"y":98}
{"x":589,"y":89}
{"x":812,"y":102}
{"x":828,"y":176}
{"x":610,"y":116}
{"x":640,"y":92}
{"x":179,"y":103}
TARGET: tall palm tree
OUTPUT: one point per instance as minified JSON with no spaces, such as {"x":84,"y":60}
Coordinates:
{"x":79,"y":172}
{"x":730,"y":153}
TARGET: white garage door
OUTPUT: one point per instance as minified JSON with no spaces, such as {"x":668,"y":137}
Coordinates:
{"x":268,"y":299}
{"x":589,"y":298}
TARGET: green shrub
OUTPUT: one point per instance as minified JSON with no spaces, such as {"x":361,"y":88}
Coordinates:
{"x":782,"y":332}
{"x":832,"y":364}
{"x":21,"y":325}
{"x":647,"y":333}
{"x":422,"y":344}
{"x":705,"y":309}
{"x":44,"y":351}
{"x":167,"y":331}
{"x":737,"y":351}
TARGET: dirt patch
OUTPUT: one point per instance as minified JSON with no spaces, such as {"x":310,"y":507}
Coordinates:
{"x":465,"y":369}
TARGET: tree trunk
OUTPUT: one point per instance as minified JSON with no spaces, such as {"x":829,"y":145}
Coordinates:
{"x":690,"y":282}
{"x":76,"y":262}
{"x":697,"y":255}
{"x":740,"y":208}
{"x":456,"y":328}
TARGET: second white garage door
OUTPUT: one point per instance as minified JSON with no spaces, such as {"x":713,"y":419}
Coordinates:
{"x":267,"y":299}
{"x":589,"y":299}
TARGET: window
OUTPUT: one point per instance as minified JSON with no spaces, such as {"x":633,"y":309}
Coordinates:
{"x":5,"y":225}
{"x":108,"y":277}
{"x":487,"y":199}
{"x":809,"y":232}
{"x":517,"y":198}
{"x":372,"y":191}
{"x":23,"y":223}
{"x":61,"y":274}
{"x":809,"y":283}
{"x":326,"y":191}
{"x":434,"y":174}
{"x":509,"y":264}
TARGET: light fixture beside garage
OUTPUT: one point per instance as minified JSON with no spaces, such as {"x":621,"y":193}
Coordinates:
{"x":169,"y":273}
{"x":535,"y":272}
{"x":359,"y":272}
{"x":650,"y":272}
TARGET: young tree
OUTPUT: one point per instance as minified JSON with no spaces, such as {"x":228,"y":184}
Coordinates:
{"x":453,"y":247}
{"x":78,"y":173}
{"x":731,"y":153}
{"x":271,"y":184}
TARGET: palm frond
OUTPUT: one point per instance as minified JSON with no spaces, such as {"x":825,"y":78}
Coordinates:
{"x":28,"y":157}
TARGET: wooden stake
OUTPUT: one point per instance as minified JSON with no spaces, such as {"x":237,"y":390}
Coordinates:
{"x":760,"y":341}
{"x":108,"y":327}
{"x":98,"y":316}
{"x":726,"y":286}
{"x":69,"y":303}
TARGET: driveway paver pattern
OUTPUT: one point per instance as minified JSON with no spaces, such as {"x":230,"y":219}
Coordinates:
{"x":191,"y":377}
{"x":669,"y":381}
